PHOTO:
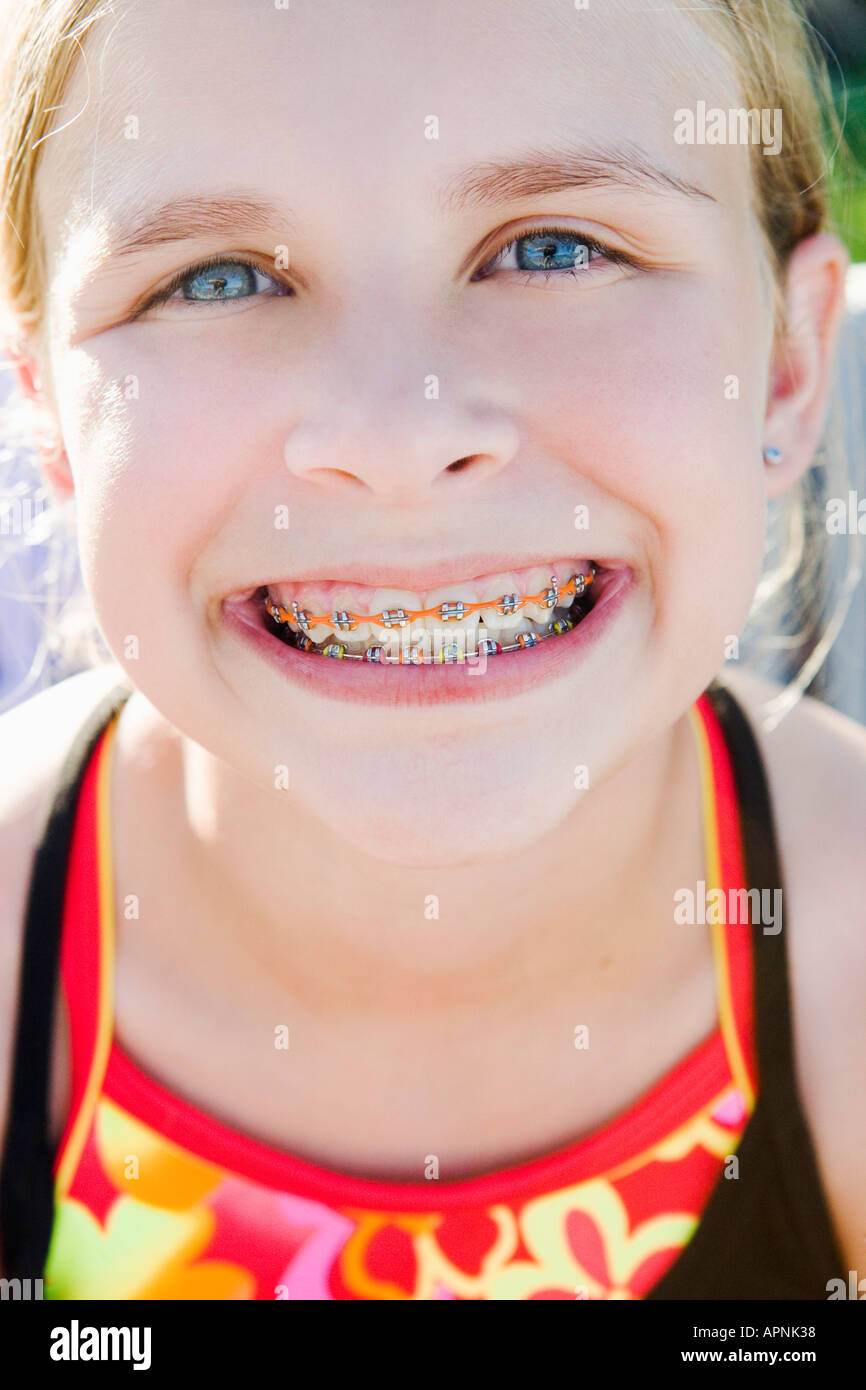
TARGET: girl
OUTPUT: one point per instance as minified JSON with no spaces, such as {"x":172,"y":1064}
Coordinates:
{"x":431,"y":911}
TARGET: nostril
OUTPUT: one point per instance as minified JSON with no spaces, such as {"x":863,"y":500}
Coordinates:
{"x":329,"y":478}
{"x":478,"y":468}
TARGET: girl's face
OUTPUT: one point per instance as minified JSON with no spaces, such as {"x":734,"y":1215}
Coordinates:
{"x":418,"y":387}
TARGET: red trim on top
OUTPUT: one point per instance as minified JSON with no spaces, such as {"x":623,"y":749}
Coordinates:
{"x":738,"y":937}
{"x":80,"y":944}
{"x":692,"y":1083}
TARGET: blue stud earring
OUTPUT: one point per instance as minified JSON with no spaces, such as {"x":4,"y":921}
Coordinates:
{"x":772,"y":456}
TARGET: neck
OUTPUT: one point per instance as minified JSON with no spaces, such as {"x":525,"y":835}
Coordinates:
{"x":316,"y":919}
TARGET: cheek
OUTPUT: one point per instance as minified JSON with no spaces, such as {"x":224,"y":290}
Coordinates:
{"x":160,"y":459}
{"x":655,"y":399}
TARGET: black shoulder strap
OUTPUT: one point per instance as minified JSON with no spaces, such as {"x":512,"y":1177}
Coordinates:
{"x":26,"y":1179}
{"x":766,"y":1233}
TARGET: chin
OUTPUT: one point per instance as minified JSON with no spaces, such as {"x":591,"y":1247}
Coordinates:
{"x":437,"y":811}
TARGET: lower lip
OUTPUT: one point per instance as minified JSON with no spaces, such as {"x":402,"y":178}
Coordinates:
{"x":367,"y":682}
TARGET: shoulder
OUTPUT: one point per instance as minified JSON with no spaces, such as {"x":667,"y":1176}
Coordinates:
{"x":34,"y":739}
{"x":815,"y":761}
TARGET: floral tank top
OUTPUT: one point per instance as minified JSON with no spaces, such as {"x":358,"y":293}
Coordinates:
{"x":156,"y":1199}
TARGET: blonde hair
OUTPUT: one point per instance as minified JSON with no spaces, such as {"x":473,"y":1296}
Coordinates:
{"x":780,"y":64}
{"x":776,"y":59}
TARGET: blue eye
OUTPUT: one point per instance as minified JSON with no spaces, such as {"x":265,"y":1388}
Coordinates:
{"x":217,"y":281}
{"x":227,"y":280}
{"x":549,"y":249}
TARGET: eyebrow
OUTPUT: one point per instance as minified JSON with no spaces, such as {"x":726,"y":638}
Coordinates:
{"x":197,"y":215}
{"x":480,"y":185}
{"x":555,"y":170}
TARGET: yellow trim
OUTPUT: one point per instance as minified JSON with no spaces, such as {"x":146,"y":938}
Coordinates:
{"x":713,"y":875}
{"x":105,"y":1012}
{"x":695,"y":1122}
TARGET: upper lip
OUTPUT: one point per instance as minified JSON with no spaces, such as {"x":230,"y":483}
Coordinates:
{"x":435,"y":575}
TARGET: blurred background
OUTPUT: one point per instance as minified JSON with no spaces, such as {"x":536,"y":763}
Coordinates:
{"x":841,"y":25}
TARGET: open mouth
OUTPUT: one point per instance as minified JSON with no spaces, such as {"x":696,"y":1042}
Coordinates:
{"x":466,"y":621}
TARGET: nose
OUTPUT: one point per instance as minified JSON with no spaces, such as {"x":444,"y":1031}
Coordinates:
{"x":386,"y":421}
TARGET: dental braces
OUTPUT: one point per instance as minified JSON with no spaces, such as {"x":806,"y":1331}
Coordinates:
{"x":446,"y":611}
{"x":414,"y":655}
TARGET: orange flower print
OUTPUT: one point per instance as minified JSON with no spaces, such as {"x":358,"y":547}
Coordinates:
{"x":163,"y":1174}
{"x":422,"y":1247}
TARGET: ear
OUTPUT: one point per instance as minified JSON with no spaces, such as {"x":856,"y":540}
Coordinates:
{"x":802,"y":367}
{"x":22,"y":356}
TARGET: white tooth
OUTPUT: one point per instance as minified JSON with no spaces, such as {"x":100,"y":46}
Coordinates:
{"x":422,"y":641}
{"x":313,"y":602}
{"x":495,"y":587}
{"x":465,"y":640}
{"x":506,"y":635}
{"x":382,"y":599}
{"x":580,"y":567}
{"x":346,"y":601}
{"x":411,"y":649}
{"x":538,"y":582}
{"x":445,"y":630}
{"x":392,"y":644}
{"x":319,"y":632}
